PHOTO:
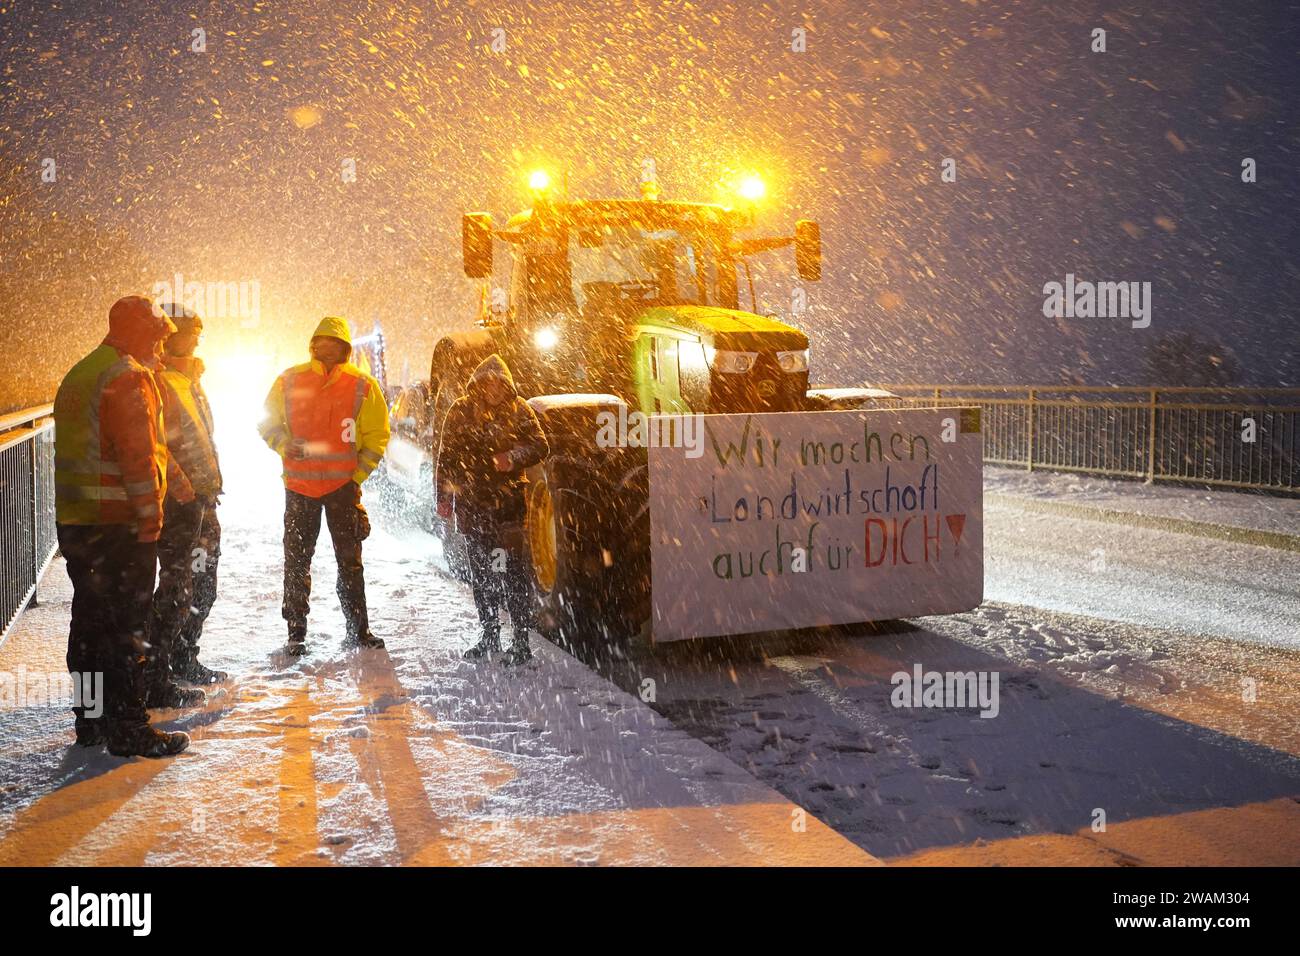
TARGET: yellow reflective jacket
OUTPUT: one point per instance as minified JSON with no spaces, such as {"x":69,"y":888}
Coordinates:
{"x":188,"y":418}
{"x":337,"y":422}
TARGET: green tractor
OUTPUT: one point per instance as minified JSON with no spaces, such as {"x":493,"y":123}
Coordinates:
{"x":615,"y":306}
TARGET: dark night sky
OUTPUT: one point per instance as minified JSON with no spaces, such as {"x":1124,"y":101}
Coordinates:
{"x":225,"y":165}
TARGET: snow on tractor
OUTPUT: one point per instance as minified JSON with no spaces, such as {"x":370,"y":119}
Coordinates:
{"x":617,"y":307}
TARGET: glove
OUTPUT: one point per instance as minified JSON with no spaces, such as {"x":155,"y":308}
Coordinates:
{"x":444,"y":508}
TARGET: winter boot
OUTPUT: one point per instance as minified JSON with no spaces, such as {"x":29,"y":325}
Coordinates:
{"x":364,"y":641}
{"x":489,"y":644}
{"x":297,"y":645}
{"x":193,"y":672}
{"x":90,"y":733}
{"x":141,"y":740}
{"x":171,"y":694}
{"x":519,"y":653}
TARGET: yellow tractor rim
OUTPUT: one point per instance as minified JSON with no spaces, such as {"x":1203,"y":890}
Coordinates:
{"x":541,"y":535}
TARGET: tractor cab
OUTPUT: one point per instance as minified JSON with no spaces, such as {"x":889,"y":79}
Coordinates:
{"x":640,"y":299}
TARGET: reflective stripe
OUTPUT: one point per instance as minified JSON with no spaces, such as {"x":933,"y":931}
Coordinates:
{"x":277,"y":436}
{"x":344,"y":456}
{"x":318,"y":475}
{"x":362,"y":387}
{"x":123,"y":364}
{"x":87,"y":467}
{"x":136,"y":488}
{"x":92,"y":492}
{"x":364,"y":455}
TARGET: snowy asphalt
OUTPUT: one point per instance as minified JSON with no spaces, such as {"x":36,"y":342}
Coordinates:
{"x":1122,"y":654}
{"x":410,"y":756}
{"x":1147,"y":674}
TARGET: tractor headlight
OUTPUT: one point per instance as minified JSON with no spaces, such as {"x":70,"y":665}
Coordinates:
{"x":795,"y":361}
{"x":752,"y":188}
{"x":734,"y":363}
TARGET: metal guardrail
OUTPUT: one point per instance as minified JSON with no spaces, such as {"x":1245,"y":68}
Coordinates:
{"x":27,"y":535}
{"x":1195,"y":435}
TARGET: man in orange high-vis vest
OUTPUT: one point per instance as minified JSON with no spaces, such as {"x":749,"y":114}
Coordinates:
{"x":328,"y":421}
{"x":110,"y":479}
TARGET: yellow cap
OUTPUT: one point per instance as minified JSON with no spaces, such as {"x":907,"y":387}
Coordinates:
{"x":335,"y":328}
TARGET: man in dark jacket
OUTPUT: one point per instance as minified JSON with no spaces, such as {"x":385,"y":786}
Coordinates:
{"x":489,"y":437}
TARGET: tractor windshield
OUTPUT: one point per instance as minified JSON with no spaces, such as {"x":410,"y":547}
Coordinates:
{"x":635,"y":264}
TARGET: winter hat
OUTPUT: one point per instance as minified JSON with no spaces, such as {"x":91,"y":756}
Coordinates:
{"x":335,"y":328}
{"x":181,"y":317}
{"x":135,"y":315}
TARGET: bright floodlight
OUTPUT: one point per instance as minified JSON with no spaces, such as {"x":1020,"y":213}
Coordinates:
{"x":539,"y":181}
{"x":546,"y":339}
{"x":752,"y":189}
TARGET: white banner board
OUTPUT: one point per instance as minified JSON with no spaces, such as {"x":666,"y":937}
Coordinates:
{"x":786,"y":520}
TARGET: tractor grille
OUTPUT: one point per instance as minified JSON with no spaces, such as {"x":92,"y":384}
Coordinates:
{"x":764,"y":388}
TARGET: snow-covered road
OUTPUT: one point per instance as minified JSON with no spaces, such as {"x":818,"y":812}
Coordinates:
{"x":1148,"y":727}
{"x":1122,"y":681}
{"x":1149,"y":674}
{"x":409,"y":756}
{"x":412,"y":756}
{"x":1204,"y":586}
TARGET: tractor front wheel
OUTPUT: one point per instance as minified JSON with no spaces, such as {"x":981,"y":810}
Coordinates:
{"x":570,"y":583}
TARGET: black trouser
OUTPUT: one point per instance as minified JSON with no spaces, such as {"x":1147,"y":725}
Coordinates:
{"x":112,"y":589}
{"x":188,"y":551}
{"x":204,"y":593}
{"x":348,"y":526}
{"x":497,"y":576}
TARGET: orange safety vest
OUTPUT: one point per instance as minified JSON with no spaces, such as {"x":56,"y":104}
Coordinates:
{"x":320,"y":416}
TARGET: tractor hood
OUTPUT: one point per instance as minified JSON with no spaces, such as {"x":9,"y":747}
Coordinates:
{"x":726,"y":329}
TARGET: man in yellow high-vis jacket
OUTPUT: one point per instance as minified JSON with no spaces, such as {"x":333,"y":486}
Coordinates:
{"x":190,"y":546}
{"x":328,"y":421}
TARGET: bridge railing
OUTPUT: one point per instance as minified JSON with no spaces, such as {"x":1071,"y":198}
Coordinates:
{"x":1197,"y":435}
{"x":27,"y":536}
{"x":1234,"y":437}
